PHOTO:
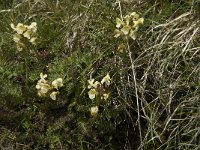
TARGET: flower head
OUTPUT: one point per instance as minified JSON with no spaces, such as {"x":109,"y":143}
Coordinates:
{"x":106,"y":80}
{"x":57,"y":83}
{"x":53,"y":95}
{"x":96,"y":84}
{"x":17,"y":37}
{"x":138,"y":22}
{"x":126,"y":29}
{"x":24,"y":33}
{"x":43,"y":88}
{"x":129,"y":26}
{"x":132,"y":34}
{"x":91,"y":83}
{"x":42,"y":77}
{"x":27,"y":34}
{"x":32,"y":40}
{"x":94,"y":111}
{"x":32,"y":27}
{"x":119,"y":23}
{"x":135,"y":15}
{"x":20,"y":28}
{"x":92,"y":93}
{"x":127,"y":19}
{"x":105,"y":96}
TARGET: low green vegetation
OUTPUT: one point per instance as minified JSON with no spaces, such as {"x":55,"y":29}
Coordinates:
{"x":100,"y":74}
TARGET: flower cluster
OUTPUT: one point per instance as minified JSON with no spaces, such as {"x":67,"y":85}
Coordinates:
{"x":97,"y":90}
{"x":129,"y":26}
{"x":44,"y":88}
{"x":24,"y":33}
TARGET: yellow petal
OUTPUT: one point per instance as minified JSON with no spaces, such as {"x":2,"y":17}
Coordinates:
{"x":96,"y":84}
{"x":126,"y":29}
{"x":17,"y":37}
{"x":33,"y":27}
{"x":106,"y":80}
{"x":92,"y":93}
{"x":91,"y":83}
{"x":41,"y":94}
{"x":94,"y":111}
{"x":119,"y":23}
{"x":32,"y":40}
{"x":127,"y":18}
{"x":53,"y":95}
{"x":42,"y":78}
{"x":133,"y":34}
{"x":105,"y":96}
{"x":13,"y":26}
{"x":45,"y":88}
{"x":27,"y":34}
{"x":135,"y":15}
{"x":141,"y":20}
{"x":57,"y":83}
{"x":118,"y":33}
{"x":20,"y":28}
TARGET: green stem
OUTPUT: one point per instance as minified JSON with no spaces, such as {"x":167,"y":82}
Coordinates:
{"x":26,"y":69}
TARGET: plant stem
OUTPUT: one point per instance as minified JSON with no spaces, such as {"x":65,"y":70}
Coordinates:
{"x":135,"y":85}
{"x":26,"y":69}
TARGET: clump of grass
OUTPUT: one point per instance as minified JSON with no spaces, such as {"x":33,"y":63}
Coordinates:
{"x":153,"y":93}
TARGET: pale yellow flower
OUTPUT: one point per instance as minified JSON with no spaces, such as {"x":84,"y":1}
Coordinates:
{"x":20,"y":28}
{"x":141,"y":20}
{"x":13,"y":26}
{"x":119,"y":23}
{"x":96,"y":84}
{"x":138,"y":22}
{"x":32,"y":40}
{"x":53,"y":95}
{"x":118,"y":33}
{"x":32,"y":27}
{"x":91,"y":83}
{"x":126,"y":29}
{"x":127,"y":19}
{"x":92,"y":93}
{"x":133,"y":34}
{"x":17,"y":37}
{"x":27,"y":34}
{"x":129,"y":26}
{"x":94,"y":111}
{"x":42,"y":78}
{"x":43,"y":87}
{"x":40,"y":94}
{"x":105,"y":96}
{"x":135,"y":15}
{"x":57,"y":83}
{"x":106,"y":80}
{"x":30,"y":30}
